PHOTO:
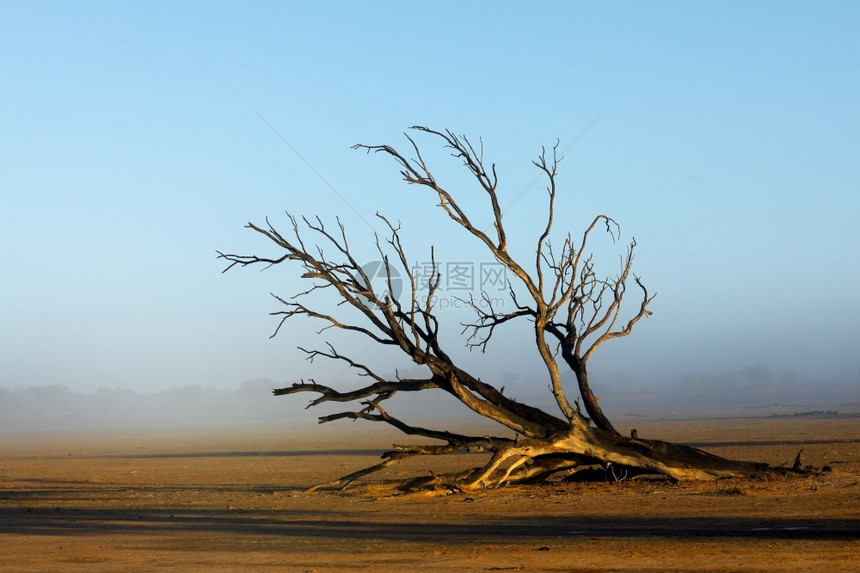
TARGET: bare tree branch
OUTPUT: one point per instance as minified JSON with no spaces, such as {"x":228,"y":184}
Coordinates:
{"x":572,"y":308}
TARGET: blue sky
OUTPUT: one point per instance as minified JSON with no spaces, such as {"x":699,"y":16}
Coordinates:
{"x":726,"y":140}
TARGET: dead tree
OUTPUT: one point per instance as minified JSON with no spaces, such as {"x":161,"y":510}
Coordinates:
{"x":571,"y":309}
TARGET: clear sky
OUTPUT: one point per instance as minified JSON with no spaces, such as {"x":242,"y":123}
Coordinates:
{"x":725,"y":136}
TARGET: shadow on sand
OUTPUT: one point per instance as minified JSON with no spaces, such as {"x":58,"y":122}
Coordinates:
{"x":325,"y":524}
{"x":247,"y":454}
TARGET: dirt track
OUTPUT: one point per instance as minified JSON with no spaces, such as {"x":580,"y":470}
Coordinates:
{"x":228,"y":500}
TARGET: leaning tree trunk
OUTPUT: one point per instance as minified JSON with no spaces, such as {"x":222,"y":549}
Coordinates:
{"x":589,"y":400}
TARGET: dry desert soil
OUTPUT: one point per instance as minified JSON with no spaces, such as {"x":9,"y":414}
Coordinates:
{"x":231,"y":499}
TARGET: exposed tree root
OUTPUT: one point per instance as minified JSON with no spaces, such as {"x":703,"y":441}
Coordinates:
{"x":599,"y":456}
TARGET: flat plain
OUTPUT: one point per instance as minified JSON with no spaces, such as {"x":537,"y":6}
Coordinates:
{"x":231,"y":499}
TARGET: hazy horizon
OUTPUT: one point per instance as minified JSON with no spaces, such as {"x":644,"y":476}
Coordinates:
{"x":753,"y":392}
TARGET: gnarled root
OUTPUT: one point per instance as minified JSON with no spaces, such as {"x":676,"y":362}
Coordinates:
{"x":568,"y":457}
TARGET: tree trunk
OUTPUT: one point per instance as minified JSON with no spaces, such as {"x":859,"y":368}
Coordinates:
{"x":589,"y":400}
{"x":529,"y":461}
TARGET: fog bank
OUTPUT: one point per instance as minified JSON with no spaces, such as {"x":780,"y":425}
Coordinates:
{"x":752,"y":392}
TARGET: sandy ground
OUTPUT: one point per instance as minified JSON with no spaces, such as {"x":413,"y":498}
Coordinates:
{"x":231,"y":500}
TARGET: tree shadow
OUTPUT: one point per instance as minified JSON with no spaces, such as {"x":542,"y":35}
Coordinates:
{"x":334,"y":525}
{"x":65,"y":491}
{"x":240,"y":454}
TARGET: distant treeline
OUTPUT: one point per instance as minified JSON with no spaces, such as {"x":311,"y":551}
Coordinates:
{"x":52,"y":407}
{"x":756,"y":390}
{"x":809,"y":414}
{"x":751,"y":387}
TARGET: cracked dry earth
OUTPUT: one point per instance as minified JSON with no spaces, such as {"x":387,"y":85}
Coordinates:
{"x":222,"y":499}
